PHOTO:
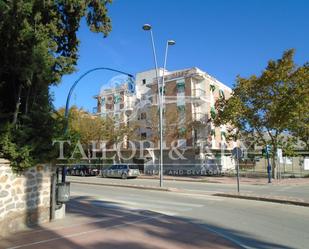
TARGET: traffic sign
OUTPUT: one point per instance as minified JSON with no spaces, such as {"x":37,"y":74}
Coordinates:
{"x":237,"y":153}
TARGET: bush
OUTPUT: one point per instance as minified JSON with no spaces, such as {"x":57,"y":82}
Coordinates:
{"x":19,"y":157}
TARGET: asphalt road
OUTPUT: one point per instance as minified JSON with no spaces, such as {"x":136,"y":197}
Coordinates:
{"x":295,"y":191}
{"x":252,"y":224}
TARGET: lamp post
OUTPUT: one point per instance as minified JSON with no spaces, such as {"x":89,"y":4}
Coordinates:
{"x":66,"y":115}
{"x":147,"y":27}
{"x":168,"y":43}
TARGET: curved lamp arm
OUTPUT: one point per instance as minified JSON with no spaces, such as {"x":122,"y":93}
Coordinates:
{"x":66,"y":115}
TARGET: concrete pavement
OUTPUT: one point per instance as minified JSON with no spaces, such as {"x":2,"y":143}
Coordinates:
{"x":91,"y":223}
{"x":249,"y":223}
{"x":112,"y":217}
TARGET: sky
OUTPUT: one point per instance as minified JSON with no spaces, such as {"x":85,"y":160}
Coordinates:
{"x":225,"y":38}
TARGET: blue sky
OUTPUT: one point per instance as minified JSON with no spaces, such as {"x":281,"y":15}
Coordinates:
{"x":225,"y":38}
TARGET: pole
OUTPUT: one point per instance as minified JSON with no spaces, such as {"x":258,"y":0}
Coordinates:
{"x":66,"y":114}
{"x":268,"y":166}
{"x":237,"y":154}
{"x":160,"y":108}
{"x":237,"y":174}
{"x":161,"y":117}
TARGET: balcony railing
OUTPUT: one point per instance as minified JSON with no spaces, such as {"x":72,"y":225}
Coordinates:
{"x":200,"y":117}
{"x":198,"y":96}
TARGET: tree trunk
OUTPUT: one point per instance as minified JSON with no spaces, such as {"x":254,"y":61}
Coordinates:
{"x":27,"y":101}
{"x":274,"y":168}
{"x":15,"y":116}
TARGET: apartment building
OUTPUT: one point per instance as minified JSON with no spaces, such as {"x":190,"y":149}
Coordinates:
{"x":188,"y":107}
{"x":117,"y":102}
{"x":188,"y":112}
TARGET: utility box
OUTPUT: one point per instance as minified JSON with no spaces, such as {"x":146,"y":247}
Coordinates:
{"x":63,"y":192}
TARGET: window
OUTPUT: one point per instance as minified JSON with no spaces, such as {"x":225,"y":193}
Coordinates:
{"x":144,"y":81}
{"x":182,"y":131}
{"x":213,"y":113}
{"x":181,"y":108}
{"x":133,"y":166}
{"x":180,"y":86}
{"x":143,"y":135}
{"x":122,"y":166}
{"x":143,"y":115}
{"x":221,"y":94}
{"x":212,"y":87}
{"x":117,"y":99}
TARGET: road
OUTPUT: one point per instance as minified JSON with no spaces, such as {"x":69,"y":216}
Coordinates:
{"x":294,"y":191}
{"x":251,"y":224}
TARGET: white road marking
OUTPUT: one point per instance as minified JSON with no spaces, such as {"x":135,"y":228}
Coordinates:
{"x":174,"y":203}
{"x":133,"y":205}
{"x":138,"y":206}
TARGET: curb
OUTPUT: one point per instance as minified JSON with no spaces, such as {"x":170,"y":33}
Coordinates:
{"x":228,"y":195}
{"x":214,"y":181}
{"x":125,"y":186}
{"x":178,"y":180}
{"x":266,"y":199}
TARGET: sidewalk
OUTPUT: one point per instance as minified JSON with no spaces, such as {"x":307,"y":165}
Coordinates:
{"x":231,"y":180}
{"x":95,"y":224}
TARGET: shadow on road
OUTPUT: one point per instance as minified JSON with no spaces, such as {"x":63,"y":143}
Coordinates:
{"x":97,"y":224}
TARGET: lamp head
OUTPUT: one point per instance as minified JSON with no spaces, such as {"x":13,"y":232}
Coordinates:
{"x":171,"y":42}
{"x":146,"y":27}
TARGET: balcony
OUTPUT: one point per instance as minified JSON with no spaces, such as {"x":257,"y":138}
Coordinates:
{"x":200,"y":117}
{"x":198,"y":96}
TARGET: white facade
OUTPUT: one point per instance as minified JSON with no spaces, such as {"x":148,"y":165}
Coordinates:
{"x":137,"y":106}
{"x":144,"y":78}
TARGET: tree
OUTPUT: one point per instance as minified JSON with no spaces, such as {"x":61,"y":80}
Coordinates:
{"x":270,"y":106}
{"x":87,"y":128}
{"x":38,"y":45}
{"x":299,"y":122}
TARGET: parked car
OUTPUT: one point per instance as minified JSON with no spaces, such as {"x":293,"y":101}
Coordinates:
{"x":82,"y":170}
{"x":211,"y":167}
{"x":123,"y":171}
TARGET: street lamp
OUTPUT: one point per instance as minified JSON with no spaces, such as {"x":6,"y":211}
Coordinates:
{"x":168,"y":43}
{"x":147,"y":27}
{"x":66,"y":114}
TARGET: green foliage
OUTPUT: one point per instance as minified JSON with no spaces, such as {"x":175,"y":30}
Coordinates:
{"x":86,"y":129}
{"x":19,"y":156}
{"x":299,"y":121}
{"x":271,"y":107}
{"x":38,"y":45}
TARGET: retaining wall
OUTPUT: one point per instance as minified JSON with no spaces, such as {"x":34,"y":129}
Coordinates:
{"x":24,"y":197}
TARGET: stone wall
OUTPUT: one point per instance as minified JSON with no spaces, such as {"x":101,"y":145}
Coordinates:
{"x":24,"y":197}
